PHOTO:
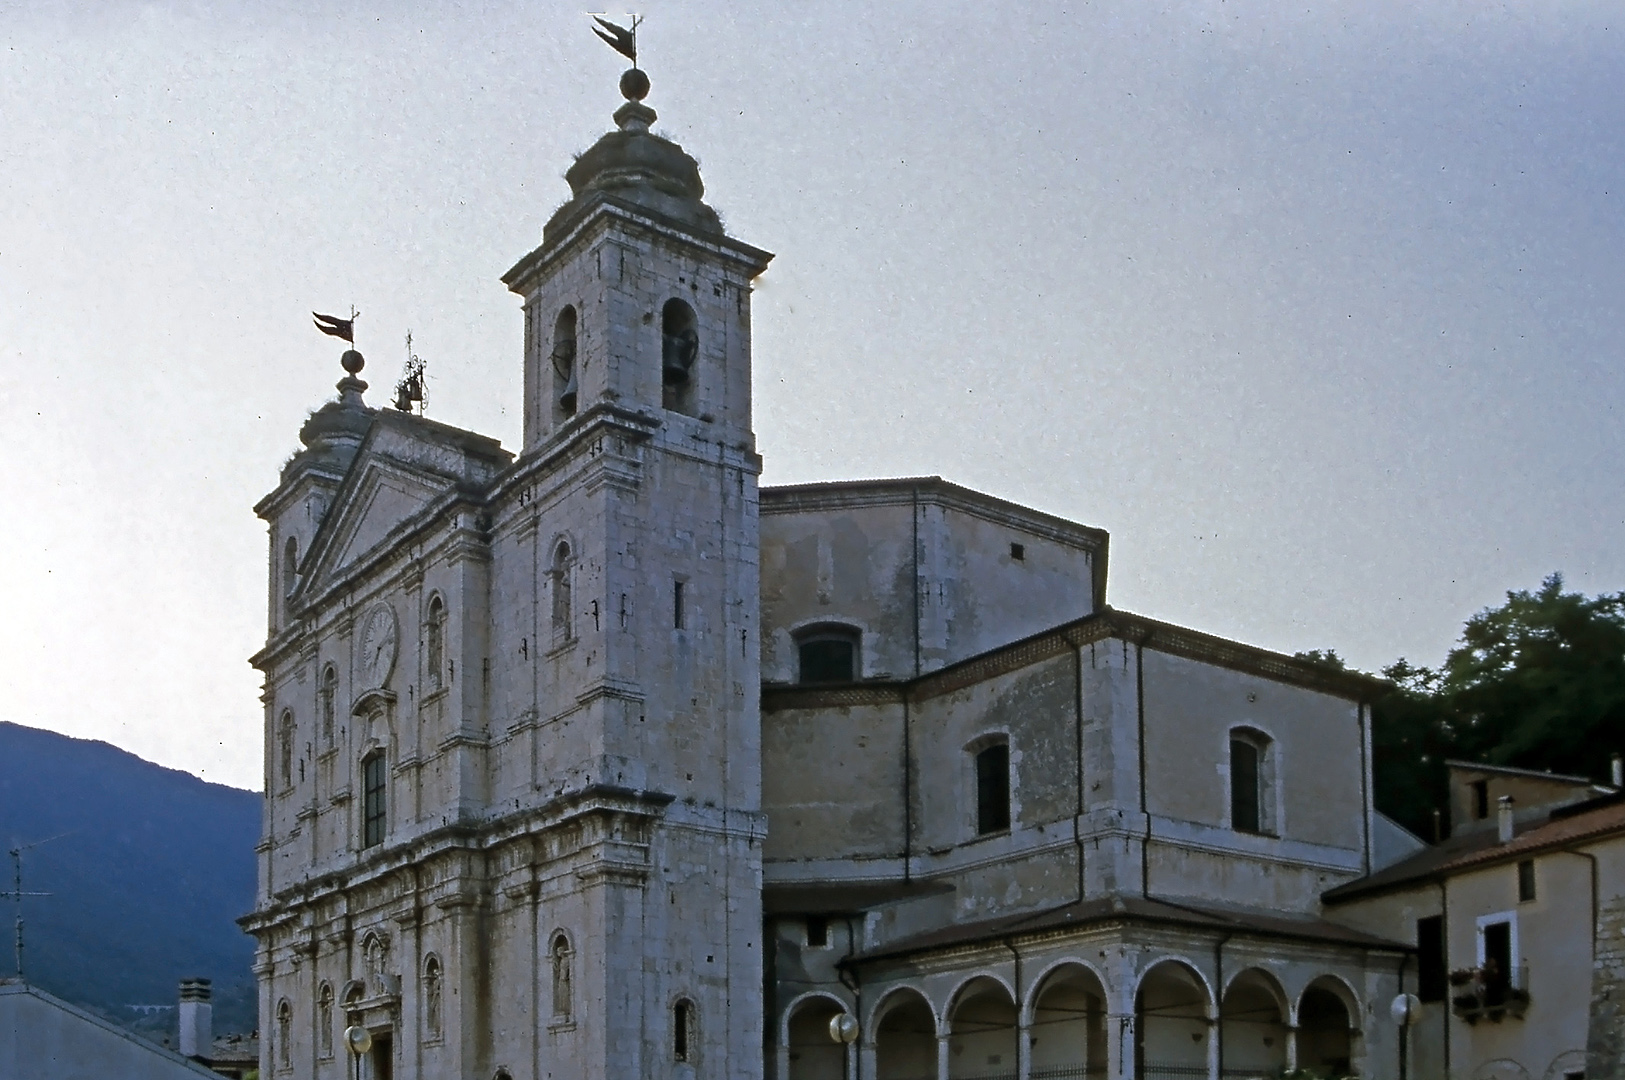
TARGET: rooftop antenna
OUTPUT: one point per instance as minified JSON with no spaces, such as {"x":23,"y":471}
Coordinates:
{"x":414,"y":385}
{"x":17,"y":892}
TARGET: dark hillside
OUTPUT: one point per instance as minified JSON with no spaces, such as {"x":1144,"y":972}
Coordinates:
{"x":146,"y":885}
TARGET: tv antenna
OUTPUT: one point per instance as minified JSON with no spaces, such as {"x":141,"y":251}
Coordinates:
{"x":17,"y":892}
{"x":413,"y":389}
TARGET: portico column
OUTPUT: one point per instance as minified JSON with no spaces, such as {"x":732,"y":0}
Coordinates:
{"x":781,"y":1061}
{"x":1291,"y":1047}
{"x":1024,"y":1048}
{"x":942,"y":1056}
{"x":868,"y":1061}
{"x":1215,"y":1064}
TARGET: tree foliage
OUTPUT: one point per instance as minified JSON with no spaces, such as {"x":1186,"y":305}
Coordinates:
{"x":1538,"y":683}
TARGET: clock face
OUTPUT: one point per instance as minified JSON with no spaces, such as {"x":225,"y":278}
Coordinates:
{"x":378,"y":640}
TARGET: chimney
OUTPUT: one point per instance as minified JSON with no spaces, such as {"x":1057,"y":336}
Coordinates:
{"x":1503,"y":818}
{"x":1617,"y":771}
{"x":197,"y":1018}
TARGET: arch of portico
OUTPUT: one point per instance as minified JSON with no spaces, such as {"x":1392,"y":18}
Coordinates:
{"x":1326,"y":1018}
{"x":806,"y":1051}
{"x":1173,"y":1029}
{"x":1255,"y":1036}
{"x":982,"y":1027}
{"x":903,"y":1034}
{"x":1065,"y":1021}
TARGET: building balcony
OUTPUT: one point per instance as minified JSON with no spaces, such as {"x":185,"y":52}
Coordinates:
{"x":1478,"y":994}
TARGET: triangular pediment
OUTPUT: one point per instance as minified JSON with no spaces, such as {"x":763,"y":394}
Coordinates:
{"x":404,"y":469}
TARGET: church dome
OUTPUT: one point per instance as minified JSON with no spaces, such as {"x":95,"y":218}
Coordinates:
{"x":632,"y":165}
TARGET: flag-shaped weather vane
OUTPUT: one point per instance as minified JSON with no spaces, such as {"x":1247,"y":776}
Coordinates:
{"x":624,"y":40}
{"x":619,"y":38}
{"x":335,"y":327}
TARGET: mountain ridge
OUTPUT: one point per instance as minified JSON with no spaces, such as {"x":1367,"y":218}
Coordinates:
{"x":147,"y":868}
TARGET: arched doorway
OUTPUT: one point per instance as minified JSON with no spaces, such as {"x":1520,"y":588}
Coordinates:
{"x":1325,"y":1042}
{"x":1254,"y":1032}
{"x":813,"y":1054}
{"x":1171,"y":1009}
{"x":1068,"y":1030}
{"x":982,"y":1032}
{"x":905,"y":1038}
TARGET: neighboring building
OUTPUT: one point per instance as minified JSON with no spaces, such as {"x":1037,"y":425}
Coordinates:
{"x":45,"y":1038}
{"x":1517,"y":920}
{"x":232,"y":1055}
{"x":570,"y":754}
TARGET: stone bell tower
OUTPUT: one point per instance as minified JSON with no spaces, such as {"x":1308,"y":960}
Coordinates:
{"x":632,"y":513}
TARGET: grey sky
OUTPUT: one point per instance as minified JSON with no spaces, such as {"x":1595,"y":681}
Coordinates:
{"x":1317,"y":308}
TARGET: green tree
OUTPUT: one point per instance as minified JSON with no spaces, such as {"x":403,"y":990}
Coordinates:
{"x":1538,"y":683}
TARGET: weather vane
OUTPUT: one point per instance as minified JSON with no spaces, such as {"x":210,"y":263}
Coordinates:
{"x":619,"y":38}
{"x":334,"y":326}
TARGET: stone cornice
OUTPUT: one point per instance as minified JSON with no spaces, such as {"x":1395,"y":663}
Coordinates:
{"x":1058,"y":641}
{"x":467,"y":838}
{"x":604,"y":212}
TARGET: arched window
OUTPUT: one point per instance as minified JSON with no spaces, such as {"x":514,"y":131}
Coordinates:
{"x":434,"y":633}
{"x":565,"y":385}
{"x":828,"y":654}
{"x":562,"y":955}
{"x":1252,"y":775}
{"x":679,"y":347}
{"x":284,"y":1034}
{"x":372,"y":799}
{"x":324,"y":1020}
{"x":684,"y":1036}
{"x":285,"y":735}
{"x":329,"y":691}
{"x":560,"y":575}
{"x":992,"y":767}
{"x":431,"y":998}
{"x":290,"y":566}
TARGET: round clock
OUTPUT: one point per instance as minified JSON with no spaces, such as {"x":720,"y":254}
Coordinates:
{"x":379,"y":636}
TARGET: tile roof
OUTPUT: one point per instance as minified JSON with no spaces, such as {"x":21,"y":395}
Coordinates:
{"x":1562,"y":828}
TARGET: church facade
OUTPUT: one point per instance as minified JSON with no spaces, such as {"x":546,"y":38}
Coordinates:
{"x":597,"y":761}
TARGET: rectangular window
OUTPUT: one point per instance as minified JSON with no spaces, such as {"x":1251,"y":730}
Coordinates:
{"x":828,"y":660}
{"x":677,"y":604}
{"x":817,"y":932}
{"x":1481,"y":799}
{"x":993,"y":789}
{"x":1244,"y":786}
{"x":1526,"y":881}
{"x":1018,"y":552}
{"x":372,"y":800}
{"x":1430,"y":968}
{"x":1497,"y":967}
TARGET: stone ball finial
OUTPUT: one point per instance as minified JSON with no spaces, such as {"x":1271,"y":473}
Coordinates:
{"x":352,"y":361}
{"x":634,"y":85}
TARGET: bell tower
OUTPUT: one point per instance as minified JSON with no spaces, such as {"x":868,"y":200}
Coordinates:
{"x":636,"y":298}
{"x":630,"y":721}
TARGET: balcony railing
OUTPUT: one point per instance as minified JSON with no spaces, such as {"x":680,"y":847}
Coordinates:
{"x":1476,"y":995}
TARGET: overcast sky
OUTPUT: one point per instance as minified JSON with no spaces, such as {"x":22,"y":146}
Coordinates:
{"x":1316,"y":308}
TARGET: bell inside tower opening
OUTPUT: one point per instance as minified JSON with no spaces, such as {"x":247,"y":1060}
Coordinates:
{"x":565,"y":385}
{"x":679,"y":346}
